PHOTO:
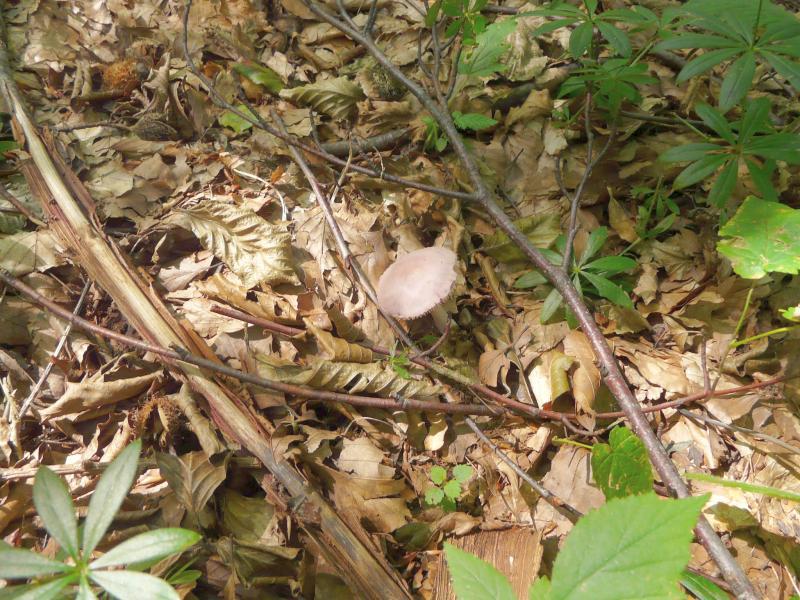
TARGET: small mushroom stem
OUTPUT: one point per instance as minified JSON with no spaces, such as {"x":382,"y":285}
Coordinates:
{"x":440,"y":318}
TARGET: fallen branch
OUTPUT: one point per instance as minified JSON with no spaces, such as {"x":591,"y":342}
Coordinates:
{"x":609,"y":368}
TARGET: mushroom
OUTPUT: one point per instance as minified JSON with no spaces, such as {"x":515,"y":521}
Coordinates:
{"x":418,"y":283}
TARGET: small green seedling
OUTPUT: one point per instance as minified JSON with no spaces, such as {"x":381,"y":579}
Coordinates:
{"x":445,"y":492}
{"x":79,"y":570}
{"x":591,"y":276}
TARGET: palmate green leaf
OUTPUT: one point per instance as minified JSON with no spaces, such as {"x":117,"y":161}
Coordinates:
{"x":705,"y":62}
{"x":148,"y":546}
{"x":699,"y":170}
{"x":85,"y":591}
{"x":716,"y":121}
{"x":611,"y":265}
{"x":130,"y":585}
{"x":762,"y":177}
{"x":472,"y":121}
{"x":18,"y":563}
{"x":41,"y":591}
{"x":698,"y":40}
{"x":776,"y":146}
{"x":608,"y":289}
{"x":55,"y":507}
{"x":738,"y":79}
{"x":755,"y":120}
{"x":483,"y":59}
{"x":580,"y":39}
{"x":616,"y":37}
{"x":475,"y":579}
{"x":111,"y":490}
{"x":689,"y":152}
{"x":438,"y":475}
{"x":723,"y":186}
{"x":622,"y":467}
{"x":787,"y":68}
{"x":639,"y":544}
{"x":762,"y":238}
{"x":594,"y":242}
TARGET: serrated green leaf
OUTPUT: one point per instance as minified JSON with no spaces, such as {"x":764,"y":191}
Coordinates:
{"x":452,"y":489}
{"x":130,"y":585}
{"x":639,"y":544}
{"x":148,"y":546}
{"x":233,"y":121}
{"x":475,"y":579}
{"x":462,"y":473}
{"x":111,"y":490}
{"x":580,"y":39}
{"x":762,"y":238}
{"x":18,"y":563}
{"x":616,"y":37}
{"x":738,"y":79}
{"x":438,"y":475}
{"x":622,"y":467}
{"x":263,"y":76}
{"x":472,"y":121}
{"x":434,"y":496}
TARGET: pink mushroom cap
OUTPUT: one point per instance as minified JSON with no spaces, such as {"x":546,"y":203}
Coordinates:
{"x":417,"y":282}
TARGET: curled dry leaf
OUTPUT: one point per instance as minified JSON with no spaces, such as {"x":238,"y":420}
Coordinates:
{"x":336,"y":98}
{"x":338,"y":349}
{"x":586,"y":377}
{"x":254,"y":249}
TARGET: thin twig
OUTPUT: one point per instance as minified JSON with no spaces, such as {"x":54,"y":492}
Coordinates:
{"x":731,"y":427}
{"x":292,"y":390}
{"x":609,"y":367}
{"x":24,"y":210}
{"x":61,"y":342}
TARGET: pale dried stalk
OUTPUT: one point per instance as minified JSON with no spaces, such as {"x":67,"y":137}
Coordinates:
{"x":62,"y":194}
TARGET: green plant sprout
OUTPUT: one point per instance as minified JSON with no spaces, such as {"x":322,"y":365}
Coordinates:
{"x":445,"y":492}
{"x":743,"y":31}
{"x":466,"y":18}
{"x":752,"y":139}
{"x":51,"y":578}
{"x":592,"y":277}
{"x":765,"y":490}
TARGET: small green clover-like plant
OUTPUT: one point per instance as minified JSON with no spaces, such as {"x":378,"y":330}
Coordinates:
{"x":752,"y":140}
{"x":639,"y":544}
{"x":745,"y":32}
{"x":399,"y":363}
{"x":591,"y":276}
{"x":466,"y":18}
{"x":446,"y":491}
{"x":79,"y":571}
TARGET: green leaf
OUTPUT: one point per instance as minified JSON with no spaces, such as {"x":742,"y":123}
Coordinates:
{"x":550,"y":305}
{"x":263,"y":76}
{"x":622,"y":467}
{"x":717,"y":121}
{"x":462,"y":473}
{"x":777,"y":146}
{"x":130,"y":585}
{"x":18,"y":563}
{"x":611,"y":265}
{"x":594,"y":242}
{"x":762,"y":177}
{"x":754,"y":119}
{"x":608,"y":289}
{"x":580,"y":39}
{"x":475,"y":579}
{"x":233,"y":121}
{"x":738,"y":79}
{"x":54,"y":505}
{"x":762,"y":238}
{"x":699,"y":170}
{"x":698,"y":40}
{"x":723,"y":186}
{"x":434,"y":496}
{"x":788,"y":68}
{"x":639,"y":544}
{"x":85,"y":591}
{"x":529,"y":280}
{"x":452,"y":489}
{"x":482,"y":61}
{"x":472,"y":121}
{"x":702,"y":587}
{"x":705,"y":62}
{"x":540,"y":589}
{"x":109,"y":494}
{"x":38,"y":591}
{"x":616,"y":37}
{"x":688,"y":152}
{"x":438,"y":475}
{"x":148,"y":546}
